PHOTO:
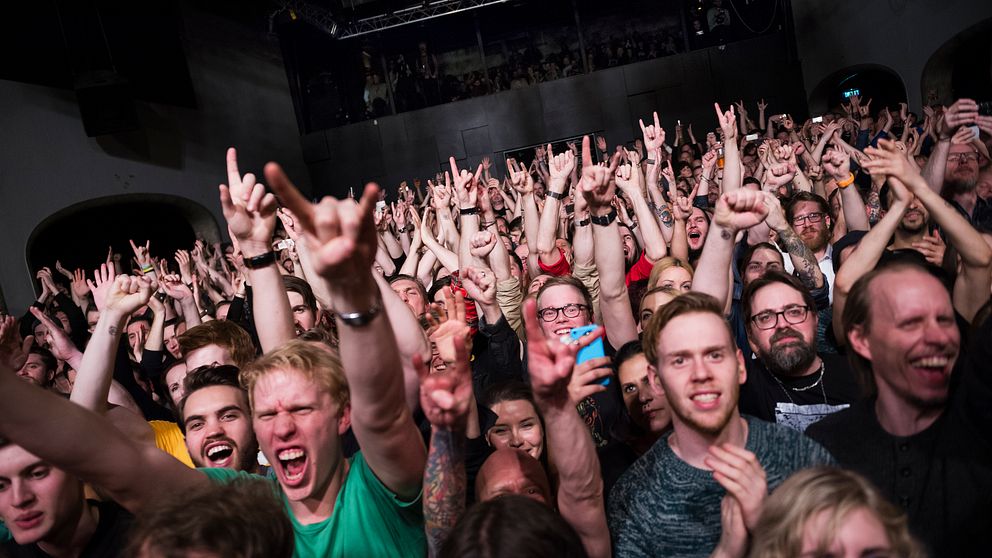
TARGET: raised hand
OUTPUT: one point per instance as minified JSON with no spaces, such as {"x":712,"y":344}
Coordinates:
{"x":445,"y":397}
{"x":932,"y":247}
{"x":709,"y":163}
{"x":560,"y":165}
{"x":962,"y":113}
{"x":739,"y":472}
{"x":522,"y":181}
{"x":441,"y":193}
{"x":185,"y":265}
{"x":595,"y":184}
{"x":654,"y":134}
{"x":13,"y":349}
{"x":740,"y":209}
{"x":586,"y":378}
{"x":250,"y":211}
{"x":173,"y":286}
{"x":340,"y":234}
{"x":449,"y":325}
{"x":288,"y":221}
{"x":482,"y":244}
{"x":58,"y":340}
{"x":142,"y":254}
{"x":47,"y":283}
{"x":762,"y":105}
{"x":627,"y":180}
{"x":775,"y":217}
{"x":886,"y":159}
{"x":125,"y":295}
{"x":837,"y":164}
{"x":549,"y":361}
{"x":733,"y":534}
{"x":465,"y":183}
{"x":79,"y":287}
{"x":63,"y":271}
{"x":480,"y":284}
{"x":102,"y":281}
{"x":728,"y":123}
{"x":600,"y":144}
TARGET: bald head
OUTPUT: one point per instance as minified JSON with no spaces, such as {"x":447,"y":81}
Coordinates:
{"x":510,"y":471}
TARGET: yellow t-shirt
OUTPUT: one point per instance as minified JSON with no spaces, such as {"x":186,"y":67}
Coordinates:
{"x":169,"y":439}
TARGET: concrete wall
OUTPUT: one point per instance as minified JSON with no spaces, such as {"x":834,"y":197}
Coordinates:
{"x":48,"y":164}
{"x":417,"y":143}
{"x":898,"y":34}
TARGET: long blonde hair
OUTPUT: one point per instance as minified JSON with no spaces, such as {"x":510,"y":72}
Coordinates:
{"x":779,"y":532}
{"x":661,"y":265}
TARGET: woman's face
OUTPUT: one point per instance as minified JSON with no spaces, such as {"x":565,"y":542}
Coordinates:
{"x":517,"y":428}
{"x":677,"y":278}
{"x":859,"y":535}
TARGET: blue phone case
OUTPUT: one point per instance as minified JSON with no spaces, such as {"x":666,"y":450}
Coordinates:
{"x":590,"y":351}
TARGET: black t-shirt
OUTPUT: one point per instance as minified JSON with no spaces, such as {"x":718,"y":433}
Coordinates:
{"x":108,"y":540}
{"x":799,"y":402}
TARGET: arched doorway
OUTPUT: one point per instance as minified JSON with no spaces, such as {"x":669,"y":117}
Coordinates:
{"x":961,"y":67}
{"x":879,"y":83}
{"x":79,"y":235}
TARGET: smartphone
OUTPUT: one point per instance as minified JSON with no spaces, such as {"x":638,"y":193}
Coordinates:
{"x":679,"y":122}
{"x":975,"y":132}
{"x":817,"y":119}
{"x":590,"y":351}
{"x":380,"y":207}
{"x":751,"y":137}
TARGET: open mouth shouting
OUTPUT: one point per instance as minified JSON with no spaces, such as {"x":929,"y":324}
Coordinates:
{"x":219,"y":453}
{"x":291,"y":466}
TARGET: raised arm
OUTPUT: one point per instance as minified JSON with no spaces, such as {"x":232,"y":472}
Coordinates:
{"x":962,"y":113}
{"x":342,"y":239}
{"x":410,"y":338}
{"x":971,"y":288}
{"x":628,"y":178}
{"x":838,"y":165}
{"x":81,"y":442}
{"x":251,"y":219}
{"x":560,"y":168}
{"x":803,"y":259}
{"x":614,"y":303}
{"x":570,"y":446}
{"x":731,"y":152}
{"x":735,"y":211}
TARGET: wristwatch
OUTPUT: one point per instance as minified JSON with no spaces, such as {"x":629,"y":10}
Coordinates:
{"x":260,"y":260}
{"x":605,"y":220}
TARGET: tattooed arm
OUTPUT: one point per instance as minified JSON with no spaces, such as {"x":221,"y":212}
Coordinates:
{"x":444,"y":486}
{"x":802,"y":257}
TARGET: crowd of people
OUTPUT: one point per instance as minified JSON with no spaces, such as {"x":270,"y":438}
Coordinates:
{"x":427,"y":82}
{"x":772,"y":342}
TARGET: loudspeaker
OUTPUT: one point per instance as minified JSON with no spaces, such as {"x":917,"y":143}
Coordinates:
{"x":106,"y":103}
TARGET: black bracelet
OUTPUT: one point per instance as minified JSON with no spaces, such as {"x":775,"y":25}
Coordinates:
{"x":649,"y":161}
{"x":605,"y":220}
{"x":469,"y":211}
{"x":570,"y":208}
{"x":556,"y":195}
{"x":487,"y":224}
{"x":583,"y":223}
{"x":260,"y":261}
{"x":632,"y":225}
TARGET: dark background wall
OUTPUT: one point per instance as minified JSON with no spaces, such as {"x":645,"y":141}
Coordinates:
{"x":48,"y":165}
{"x":684,"y":86}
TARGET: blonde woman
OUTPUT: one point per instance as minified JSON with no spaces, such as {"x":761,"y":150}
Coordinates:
{"x":831,"y":512}
{"x":671,"y":272}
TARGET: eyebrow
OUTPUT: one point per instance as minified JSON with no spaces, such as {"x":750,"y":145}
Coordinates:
{"x":690,"y":352}
{"x":220,"y":411}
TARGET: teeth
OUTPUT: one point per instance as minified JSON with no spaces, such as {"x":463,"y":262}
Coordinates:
{"x":705,"y":397}
{"x":289,"y":454}
{"x":931,"y":362}
{"x":217,"y":449}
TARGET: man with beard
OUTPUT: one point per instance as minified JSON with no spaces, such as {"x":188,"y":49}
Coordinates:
{"x":790,"y":383}
{"x":952,"y":169}
{"x":217,"y":420}
{"x":669,"y":502}
{"x":913,"y":227}
{"x":809,"y":215}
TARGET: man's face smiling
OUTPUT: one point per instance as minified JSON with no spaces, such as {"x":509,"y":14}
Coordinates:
{"x":37,"y":501}
{"x":560,"y":296}
{"x":299,"y":428}
{"x":218,"y":429}
{"x":913,"y":341}
{"x":701,"y":371}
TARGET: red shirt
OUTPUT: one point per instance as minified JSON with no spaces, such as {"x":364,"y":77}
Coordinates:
{"x":640,"y":271}
{"x":559,"y":269}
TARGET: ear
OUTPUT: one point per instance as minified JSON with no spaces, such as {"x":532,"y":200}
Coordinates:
{"x":654,"y":380}
{"x":741,"y":368}
{"x":858,"y":339}
{"x":344,"y":421}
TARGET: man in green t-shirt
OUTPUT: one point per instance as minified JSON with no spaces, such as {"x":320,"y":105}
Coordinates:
{"x":302,"y":401}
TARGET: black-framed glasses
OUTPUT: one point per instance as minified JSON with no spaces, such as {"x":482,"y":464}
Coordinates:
{"x":550,"y":313}
{"x":794,"y":314}
{"x":815,"y":217}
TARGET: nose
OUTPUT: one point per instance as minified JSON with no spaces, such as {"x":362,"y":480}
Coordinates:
{"x":644,"y":394}
{"x":23,"y":495}
{"x":937,"y":334}
{"x":515,"y":440}
{"x":214,"y":429}
{"x":284,"y":426}
{"x":701,"y":372}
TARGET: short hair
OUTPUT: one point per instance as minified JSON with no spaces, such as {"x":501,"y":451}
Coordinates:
{"x":857,"y":314}
{"x":208,"y":376}
{"x":570,"y":281}
{"x":405,"y":277}
{"x":319,"y":365}
{"x":779,"y":532}
{"x":512,"y":526}
{"x":687,"y":303}
{"x":243,"y":519}
{"x":749,"y":253}
{"x":508,"y":391}
{"x":223,"y":333}
{"x":771,"y":278}
{"x":436,"y":286}
{"x":750,"y":180}
{"x":294,"y":284}
{"x":803,"y":196}
{"x":47,"y":358}
{"x":665,"y":263}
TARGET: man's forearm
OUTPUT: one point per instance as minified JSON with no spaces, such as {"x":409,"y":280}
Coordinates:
{"x":444,"y":487}
{"x":933,"y":171}
{"x":803,"y":259}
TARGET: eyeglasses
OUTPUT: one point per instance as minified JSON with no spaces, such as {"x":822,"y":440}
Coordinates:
{"x":795,"y":314}
{"x":962,"y":157}
{"x":550,"y":314}
{"x":811,"y":217}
